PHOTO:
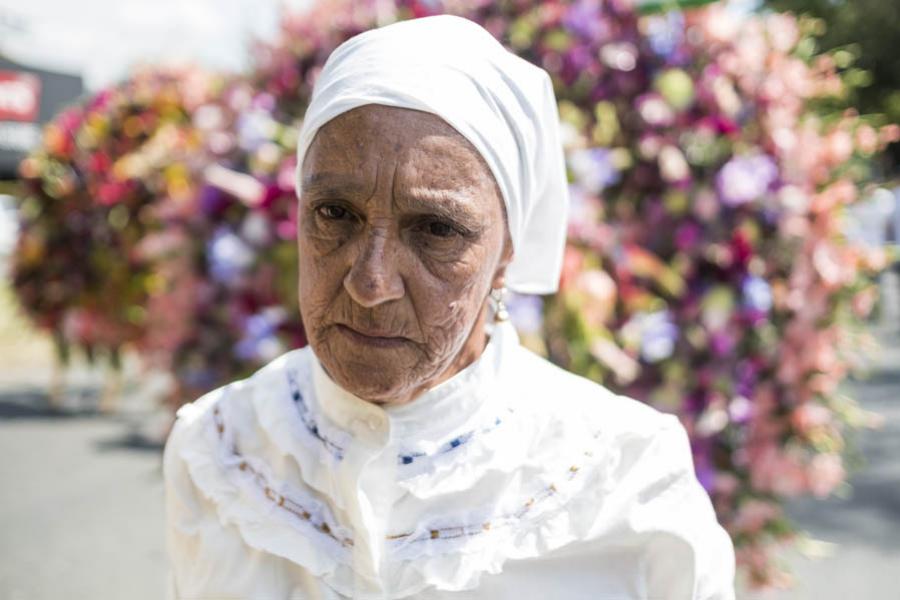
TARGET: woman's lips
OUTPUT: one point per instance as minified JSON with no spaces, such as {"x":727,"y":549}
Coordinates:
{"x":368,"y":339}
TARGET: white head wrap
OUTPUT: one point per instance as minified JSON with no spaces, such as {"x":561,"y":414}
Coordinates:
{"x":502,"y":104}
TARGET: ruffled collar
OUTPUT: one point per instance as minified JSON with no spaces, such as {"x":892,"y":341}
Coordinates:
{"x":434,"y":415}
{"x":287,"y":457}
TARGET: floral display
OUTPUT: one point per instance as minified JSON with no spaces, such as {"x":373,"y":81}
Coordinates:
{"x":110,"y":176}
{"x":137,"y":232}
{"x":708,"y":272}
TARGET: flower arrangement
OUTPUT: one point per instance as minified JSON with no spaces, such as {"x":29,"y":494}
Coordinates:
{"x":103,"y":183}
{"x":244,"y":241}
{"x":136,"y":231}
{"x":707,"y":272}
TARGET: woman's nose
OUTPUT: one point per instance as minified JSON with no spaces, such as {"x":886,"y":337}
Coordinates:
{"x":374,"y":278}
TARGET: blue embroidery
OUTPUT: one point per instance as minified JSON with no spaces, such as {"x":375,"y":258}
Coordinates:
{"x":460,"y":440}
{"x":403,"y":459}
{"x":308,"y":421}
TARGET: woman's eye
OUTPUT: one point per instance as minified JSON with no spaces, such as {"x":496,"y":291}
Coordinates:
{"x":440,"y":229}
{"x":333,"y":212}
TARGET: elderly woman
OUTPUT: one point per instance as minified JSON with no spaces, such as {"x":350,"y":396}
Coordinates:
{"x":415,"y":449}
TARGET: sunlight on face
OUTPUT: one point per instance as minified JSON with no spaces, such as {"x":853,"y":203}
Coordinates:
{"x":401,"y":237}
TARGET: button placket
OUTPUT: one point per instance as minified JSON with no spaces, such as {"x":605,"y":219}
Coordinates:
{"x":362,"y":478}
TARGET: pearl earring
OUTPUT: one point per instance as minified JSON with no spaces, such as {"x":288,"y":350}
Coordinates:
{"x":497,"y":304}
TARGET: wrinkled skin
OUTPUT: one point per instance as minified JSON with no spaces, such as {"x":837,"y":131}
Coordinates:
{"x":402,"y":235}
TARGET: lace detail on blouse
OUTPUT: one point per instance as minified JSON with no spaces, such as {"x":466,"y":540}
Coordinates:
{"x":445,"y":538}
{"x":410,"y":457}
{"x":312,"y":426}
{"x":306,"y":511}
{"x":440,"y":535}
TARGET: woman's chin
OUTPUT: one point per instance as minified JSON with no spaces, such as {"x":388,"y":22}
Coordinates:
{"x":378,"y":375}
{"x":378,"y":388}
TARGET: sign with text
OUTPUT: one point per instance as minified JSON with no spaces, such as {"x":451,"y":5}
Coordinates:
{"x":29,"y":98}
{"x":20,"y":96}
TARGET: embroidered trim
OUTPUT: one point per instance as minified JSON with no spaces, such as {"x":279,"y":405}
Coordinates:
{"x":408,"y":458}
{"x":304,"y":513}
{"x":493,"y":524}
{"x":309,"y":422}
{"x":313,"y":517}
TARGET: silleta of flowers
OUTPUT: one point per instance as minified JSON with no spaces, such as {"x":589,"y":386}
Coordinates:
{"x":707,"y":273}
{"x":109,"y":176}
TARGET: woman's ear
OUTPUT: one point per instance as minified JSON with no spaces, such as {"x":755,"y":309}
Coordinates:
{"x":506,"y":256}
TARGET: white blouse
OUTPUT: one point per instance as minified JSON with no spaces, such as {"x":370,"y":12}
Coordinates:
{"x":514,"y":479}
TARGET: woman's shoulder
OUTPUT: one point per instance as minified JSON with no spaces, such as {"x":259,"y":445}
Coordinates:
{"x":554,"y":393}
{"x":237,"y":396}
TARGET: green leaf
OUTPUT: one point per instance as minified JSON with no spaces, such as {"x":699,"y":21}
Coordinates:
{"x":647,"y":7}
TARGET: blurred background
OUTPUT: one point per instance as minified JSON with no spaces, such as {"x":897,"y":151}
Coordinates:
{"x":732,"y":258}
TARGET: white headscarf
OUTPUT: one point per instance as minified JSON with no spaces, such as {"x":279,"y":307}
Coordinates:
{"x":502,"y":104}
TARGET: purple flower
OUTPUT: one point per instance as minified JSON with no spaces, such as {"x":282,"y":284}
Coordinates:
{"x":665,"y":33}
{"x":212,"y":200}
{"x":264,"y":102}
{"x":260,"y":342}
{"x":721,"y":343}
{"x":687,"y":236}
{"x":658,"y":336}
{"x":526,"y":312}
{"x":744,"y":179}
{"x":254,"y":128}
{"x":746,"y":377}
{"x":757,"y":294}
{"x":702,"y":450}
{"x":740,"y":409}
{"x":228,"y":256}
{"x":585,"y":19}
{"x":594,"y":169}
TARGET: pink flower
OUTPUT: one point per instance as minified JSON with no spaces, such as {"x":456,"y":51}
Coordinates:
{"x":838,"y":147}
{"x":744,"y":179}
{"x":834,"y":265}
{"x":778,"y":471}
{"x":755,"y":514}
{"x":783,"y":31}
{"x":889,"y":133}
{"x":825,"y":473}
{"x":863,"y":302}
{"x":599,"y":292}
{"x":654,"y":110}
{"x":809,"y":417}
{"x":573,"y":259}
{"x":867,"y":139}
{"x":672,"y":165}
{"x":111,"y":193}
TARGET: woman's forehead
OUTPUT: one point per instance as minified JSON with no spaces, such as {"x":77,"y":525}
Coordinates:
{"x":390,"y":118}
{"x":422,"y":148}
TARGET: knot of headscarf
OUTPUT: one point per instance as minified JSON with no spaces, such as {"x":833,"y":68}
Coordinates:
{"x":501,"y":103}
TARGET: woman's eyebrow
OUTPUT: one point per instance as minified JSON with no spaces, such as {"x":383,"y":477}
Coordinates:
{"x":324,"y":181}
{"x":450,"y":204}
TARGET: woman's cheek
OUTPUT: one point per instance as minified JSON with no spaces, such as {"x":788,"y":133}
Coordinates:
{"x":324,"y":241}
{"x":445,"y":310}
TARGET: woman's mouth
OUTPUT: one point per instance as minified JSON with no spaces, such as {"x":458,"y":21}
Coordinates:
{"x":375,"y":339}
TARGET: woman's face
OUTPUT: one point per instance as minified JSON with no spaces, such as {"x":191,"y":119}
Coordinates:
{"x":401,"y":237}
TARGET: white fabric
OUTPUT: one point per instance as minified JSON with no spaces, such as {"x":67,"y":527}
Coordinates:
{"x":502,"y":104}
{"x":513,"y":479}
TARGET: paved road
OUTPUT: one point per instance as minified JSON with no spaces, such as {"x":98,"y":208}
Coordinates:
{"x":80,"y":506}
{"x":865,"y":526}
{"x":81,"y":513}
